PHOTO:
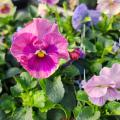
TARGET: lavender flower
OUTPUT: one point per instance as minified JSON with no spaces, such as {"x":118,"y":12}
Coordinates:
{"x":116,"y":46}
{"x":82,"y":15}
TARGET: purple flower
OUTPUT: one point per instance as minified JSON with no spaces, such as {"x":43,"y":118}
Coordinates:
{"x":39,"y":47}
{"x":82,"y":15}
{"x":116,"y":46}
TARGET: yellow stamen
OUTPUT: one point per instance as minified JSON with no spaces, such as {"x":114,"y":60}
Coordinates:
{"x":41,"y":53}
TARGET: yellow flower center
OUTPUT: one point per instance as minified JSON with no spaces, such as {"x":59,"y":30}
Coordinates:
{"x":40,"y":53}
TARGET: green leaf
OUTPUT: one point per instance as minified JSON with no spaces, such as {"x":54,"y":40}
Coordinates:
{"x":82,"y":96}
{"x":113,"y":107}
{"x":7,"y":103}
{"x":71,"y":71}
{"x":87,"y":113}
{"x":69,"y":100}
{"x":16,"y":90}
{"x":2,"y":58}
{"x":26,"y":81}
{"x":39,"y":99}
{"x":96,"y":67}
{"x":32,"y":10}
{"x":89,"y":46}
{"x":22,"y":114}
{"x":2,"y":115}
{"x":48,"y":105}
{"x":12,"y":72}
{"x":56,"y":114}
{"x":34,"y":99}
{"x":55,"y":89}
{"x":37,"y":115}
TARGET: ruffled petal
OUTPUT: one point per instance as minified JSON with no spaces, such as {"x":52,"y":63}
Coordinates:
{"x":41,"y":67}
{"x":79,"y":14}
{"x":98,"y":101}
{"x":97,"y":86}
{"x":112,"y":94}
{"x":105,"y":71}
{"x":95,"y":16}
{"x":59,"y":42}
{"x":24,"y":45}
{"x":39,"y":27}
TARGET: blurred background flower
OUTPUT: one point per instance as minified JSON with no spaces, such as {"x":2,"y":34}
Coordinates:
{"x":82,"y":15}
{"x":42,"y":10}
{"x":50,"y":2}
{"x":109,"y":7}
{"x":73,"y":4}
{"x":6,"y":8}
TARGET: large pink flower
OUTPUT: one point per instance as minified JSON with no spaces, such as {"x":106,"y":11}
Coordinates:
{"x":38,"y":47}
{"x":51,"y":2}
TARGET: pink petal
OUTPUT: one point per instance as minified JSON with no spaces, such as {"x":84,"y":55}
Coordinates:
{"x":51,"y":2}
{"x":23,"y":45}
{"x":39,"y":27}
{"x":105,"y":71}
{"x":115,"y":69}
{"x":96,"y":86}
{"x":41,"y":67}
{"x":112,"y":94}
{"x":60,"y":42}
{"x":98,"y":101}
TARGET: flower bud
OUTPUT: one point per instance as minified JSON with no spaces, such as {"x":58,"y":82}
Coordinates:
{"x":76,"y":54}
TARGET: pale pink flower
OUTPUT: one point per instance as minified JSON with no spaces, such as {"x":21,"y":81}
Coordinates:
{"x":109,"y":7}
{"x":42,"y":10}
{"x":104,"y":87}
{"x":100,"y":89}
{"x":50,"y":2}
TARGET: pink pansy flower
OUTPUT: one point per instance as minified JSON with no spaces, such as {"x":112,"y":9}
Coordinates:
{"x":104,"y":87}
{"x":109,"y":7}
{"x":50,"y":2}
{"x":100,"y":89}
{"x":39,"y":47}
{"x":112,"y":73}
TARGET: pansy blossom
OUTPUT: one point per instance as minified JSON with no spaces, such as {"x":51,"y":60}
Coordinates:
{"x":105,"y":86}
{"x":39,"y":47}
{"x":82,"y":15}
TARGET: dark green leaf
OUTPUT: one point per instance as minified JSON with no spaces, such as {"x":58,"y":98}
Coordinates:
{"x":55,"y":89}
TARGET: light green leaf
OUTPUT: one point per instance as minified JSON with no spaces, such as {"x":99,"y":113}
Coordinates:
{"x":82,"y":96}
{"x":114,"y":107}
